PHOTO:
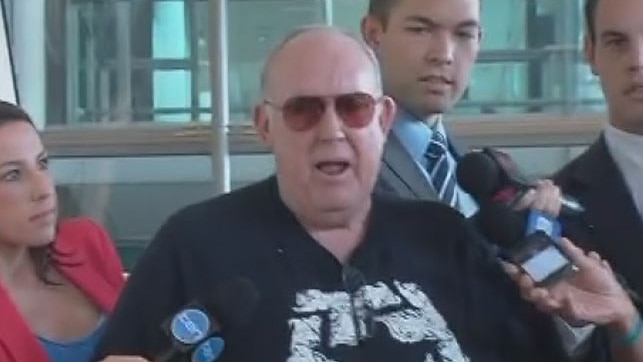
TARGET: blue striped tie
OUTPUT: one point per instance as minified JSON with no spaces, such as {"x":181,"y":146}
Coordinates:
{"x":441,"y":174}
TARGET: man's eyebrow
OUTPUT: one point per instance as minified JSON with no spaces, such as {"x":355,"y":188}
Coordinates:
{"x":471,"y":23}
{"x":422,"y":19}
{"x":611,"y":34}
{"x":10,"y":163}
{"x":425,"y":20}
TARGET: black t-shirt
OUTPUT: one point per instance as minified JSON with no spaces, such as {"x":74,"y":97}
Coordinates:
{"x":419,"y":287}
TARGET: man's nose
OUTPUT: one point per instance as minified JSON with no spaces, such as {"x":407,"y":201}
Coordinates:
{"x":441,"y":49}
{"x":331,"y":126}
{"x":636,"y":55}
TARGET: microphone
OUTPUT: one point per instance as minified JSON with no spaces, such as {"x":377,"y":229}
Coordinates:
{"x":491,"y":174}
{"x":196,"y":328}
{"x":529,"y":241}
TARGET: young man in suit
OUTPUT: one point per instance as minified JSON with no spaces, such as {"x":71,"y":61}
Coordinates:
{"x":608,"y":177}
{"x":426,"y":49}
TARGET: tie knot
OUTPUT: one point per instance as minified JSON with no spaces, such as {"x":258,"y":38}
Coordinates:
{"x":437,"y":146}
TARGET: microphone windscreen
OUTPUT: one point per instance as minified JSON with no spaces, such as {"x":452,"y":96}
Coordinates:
{"x":478,"y":175}
{"x":501,"y":225}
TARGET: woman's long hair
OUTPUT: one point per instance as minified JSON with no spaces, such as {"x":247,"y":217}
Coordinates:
{"x":46,"y":256}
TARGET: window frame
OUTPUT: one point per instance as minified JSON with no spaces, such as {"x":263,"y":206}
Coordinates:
{"x":132,"y":140}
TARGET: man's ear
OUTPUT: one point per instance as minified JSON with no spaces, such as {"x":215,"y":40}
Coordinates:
{"x":387,"y":114}
{"x":372,"y":30}
{"x":262,"y":124}
{"x":588,"y":53}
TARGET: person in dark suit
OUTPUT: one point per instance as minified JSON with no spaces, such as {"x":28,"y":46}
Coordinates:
{"x":608,"y":177}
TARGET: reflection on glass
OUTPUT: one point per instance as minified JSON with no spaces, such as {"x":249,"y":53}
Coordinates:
{"x":133,"y":196}
{"x":143,"y":61}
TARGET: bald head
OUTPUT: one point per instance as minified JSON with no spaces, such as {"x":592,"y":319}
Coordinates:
{"x":310,"y":45}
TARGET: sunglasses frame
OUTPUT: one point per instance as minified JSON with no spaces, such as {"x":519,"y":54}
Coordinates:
{"x":282,"y":108}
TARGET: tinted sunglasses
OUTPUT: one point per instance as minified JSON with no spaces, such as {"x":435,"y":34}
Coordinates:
{"x":302,"y":113}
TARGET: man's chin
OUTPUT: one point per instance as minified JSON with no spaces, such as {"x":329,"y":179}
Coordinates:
{"x":434,"y":106}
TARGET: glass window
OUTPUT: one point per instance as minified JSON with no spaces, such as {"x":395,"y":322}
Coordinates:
{"x":143,"y":61}
{"x":530,"y":60}
{"x":133,"y":196}
{"x":7,"y":84}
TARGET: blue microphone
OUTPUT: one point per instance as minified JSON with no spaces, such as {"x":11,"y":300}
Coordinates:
{"x":196,"y":329}
{"x":190,"y":326}
{"x":543,"y":222}
{"x":209,"y":350}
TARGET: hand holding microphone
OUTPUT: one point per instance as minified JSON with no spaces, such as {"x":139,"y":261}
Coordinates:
{"x":493,"y":175}
{"x":591,"y":294}
{"x":195,"y":331}
{"x":552,"y":273}
{"x":558,"y":277}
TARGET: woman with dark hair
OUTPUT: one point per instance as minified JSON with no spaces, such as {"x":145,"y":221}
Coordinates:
{"x":59,"y":280}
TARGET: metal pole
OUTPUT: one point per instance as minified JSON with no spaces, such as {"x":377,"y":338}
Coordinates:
{"x":29,"y":52}
{"x":123,"y":104}
{"x":328,"y":12}
{"x":218,"y":53}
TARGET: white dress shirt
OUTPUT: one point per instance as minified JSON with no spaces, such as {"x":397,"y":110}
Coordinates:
{"x":626,"y":150}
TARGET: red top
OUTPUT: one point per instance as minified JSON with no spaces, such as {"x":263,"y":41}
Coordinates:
{"x":95,"y":268}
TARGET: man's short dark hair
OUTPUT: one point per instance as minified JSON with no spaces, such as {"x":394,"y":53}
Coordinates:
{"x":590,"y":18}
{"x":380,"y":9}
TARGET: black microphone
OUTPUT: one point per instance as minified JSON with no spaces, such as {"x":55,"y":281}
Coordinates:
{"x":491,"y":174}
{"x":527,"y":240}
{"x":196,"y":328}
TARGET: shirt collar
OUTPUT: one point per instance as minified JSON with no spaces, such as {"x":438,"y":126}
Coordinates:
{"x":624,"y":147}
{"x":414,"y":133}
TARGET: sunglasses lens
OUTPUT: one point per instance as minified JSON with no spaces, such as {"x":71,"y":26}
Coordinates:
{"x":356,"y":109}
{"x":302,"y":113}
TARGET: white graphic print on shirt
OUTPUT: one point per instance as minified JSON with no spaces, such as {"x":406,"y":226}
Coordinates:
{"x":407,"y":313}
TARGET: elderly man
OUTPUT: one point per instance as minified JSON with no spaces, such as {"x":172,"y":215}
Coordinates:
{"x":342,"y":275}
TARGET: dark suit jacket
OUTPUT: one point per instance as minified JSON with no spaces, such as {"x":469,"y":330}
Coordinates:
{"x":611,"y":225}
{"x":90,"y":261}
{"x":399,"y":174}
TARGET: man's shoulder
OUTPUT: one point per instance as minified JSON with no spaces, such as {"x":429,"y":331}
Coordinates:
{"x":583,"y":167}
{"x":408,"y":208}
{"x":566,"y":175}
{"x":224,"y":214}
{"x":235,"y":201}
{"x":432,"y":220}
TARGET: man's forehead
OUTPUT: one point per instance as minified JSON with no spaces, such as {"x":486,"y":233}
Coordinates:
{"x":323,"y":71}
{"x":443,"y":13}
{"x":619,"y":14}
{"x":325,"y":82}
